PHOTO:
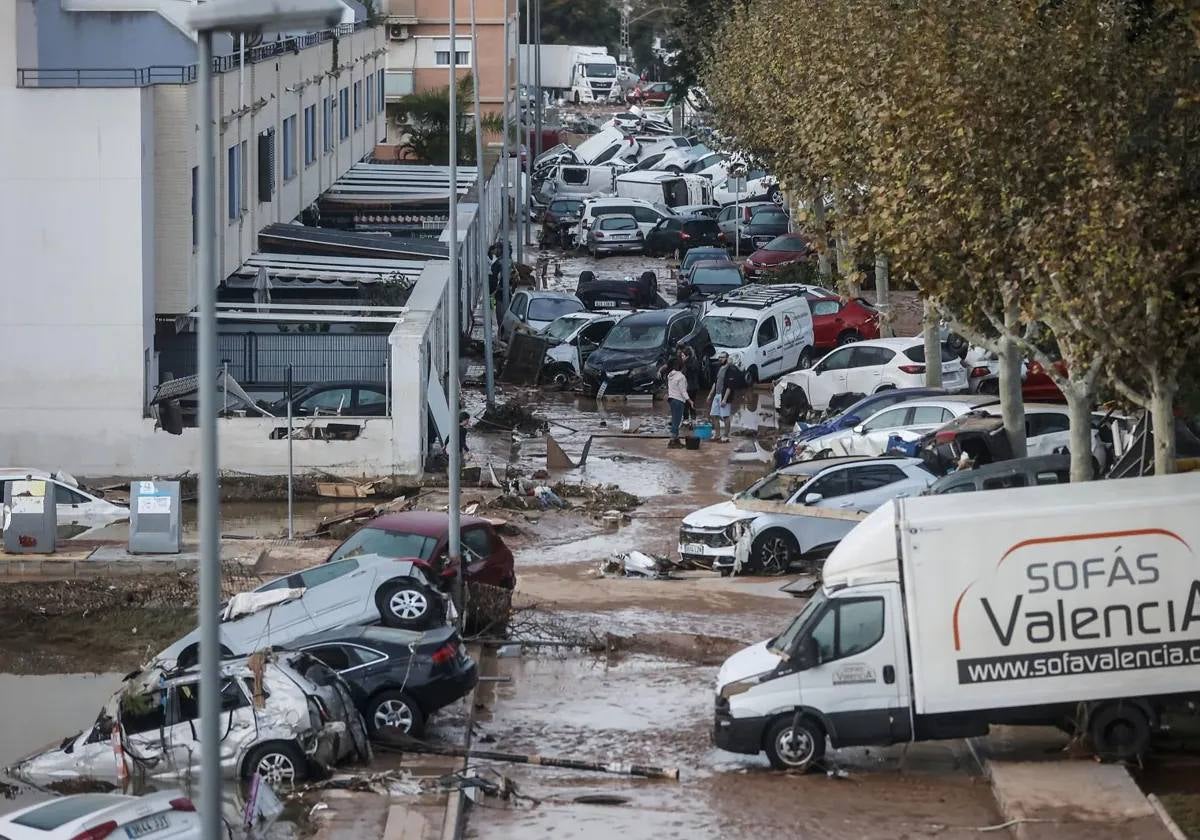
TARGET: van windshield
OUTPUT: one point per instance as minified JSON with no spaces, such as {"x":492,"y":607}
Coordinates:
{"x":729,"y":332}
{"x":635,"y":337}
{"x":785,"y":642}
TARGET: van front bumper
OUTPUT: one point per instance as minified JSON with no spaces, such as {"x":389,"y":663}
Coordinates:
{"x":738,"y":735}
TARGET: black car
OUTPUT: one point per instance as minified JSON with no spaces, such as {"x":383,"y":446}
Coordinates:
{"x":766,"y":223}
{"x":631,"y":358}
{"x":679,"y":235}
{"x":607,"y":294}
{"x":561,"y":215}
{"x":335,"y":399}
{"x":398,"y":678}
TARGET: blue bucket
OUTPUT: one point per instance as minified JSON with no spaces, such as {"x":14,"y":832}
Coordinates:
{"x":704,"y":430}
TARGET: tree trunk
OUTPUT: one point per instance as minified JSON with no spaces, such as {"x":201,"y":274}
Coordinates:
{"x":1012,"y":402}
{"x":847,"y":276}
{"x":933,"y":349}
{"x":1079,"y":408}
{"x":824,"y":267}
{"x":1162,"y":419}
{"x":883,"y":293}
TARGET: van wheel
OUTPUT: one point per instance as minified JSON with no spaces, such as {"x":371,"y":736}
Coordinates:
{"x":751,"y":377}
{"x":774,"y":552}
{"x":806,"y":359}
{"x":407,"y":604}
{"x":794,"y":747}
{"x":279,"y":764}
{"x":1119,"y":731}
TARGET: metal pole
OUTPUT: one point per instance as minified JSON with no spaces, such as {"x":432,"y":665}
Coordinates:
{"x":537,"y":79}
{"x":481,"y":222}
{"x":454,"y":291}
{"x":519,"y":216}
{"x":224,"y":387}
{"x":505,"y":163}
{"x":291,"y":529}
{"x":206,"y":364}
{"x":737,"y":220}
{"x":525,"y":241}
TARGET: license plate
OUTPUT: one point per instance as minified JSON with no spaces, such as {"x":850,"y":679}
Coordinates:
{"x":602,"y":390}
{"x":693,"y":548}
{"x":606,"y":304}
{"x":147,"y":826}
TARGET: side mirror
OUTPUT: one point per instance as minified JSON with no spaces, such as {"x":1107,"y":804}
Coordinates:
{"x":809,"y":654}
{"x":812,"y":498}
{"x":860,"y":429}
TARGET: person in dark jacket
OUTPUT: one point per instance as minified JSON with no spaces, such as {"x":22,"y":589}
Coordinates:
{"x":690,"y":366}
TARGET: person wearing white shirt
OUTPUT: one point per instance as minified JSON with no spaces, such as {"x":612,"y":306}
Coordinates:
{"x":677,"y":398}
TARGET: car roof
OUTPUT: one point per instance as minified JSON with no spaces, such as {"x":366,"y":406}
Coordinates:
{"x":654,"y":316}
{"x":819,"y":464}
{"x":547,"y":293}
{"x":704,"y":249}
{"x":425,"y":523}
{"x":22,"y":472}
{"x":714,"y":264}
{"x":1056,"y":461}
{"x":975,"y":401}
{"x":897,"y":343}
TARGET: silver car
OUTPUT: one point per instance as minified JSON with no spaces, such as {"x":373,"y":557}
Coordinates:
{"x":299,"y":715}
{"x":362,"y":589}
{"x":615,"y":233}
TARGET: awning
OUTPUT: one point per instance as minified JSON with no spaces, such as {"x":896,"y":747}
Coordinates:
{"x":299,"y":239}
{"x":380,"y":183}
{"x":298,"y":269}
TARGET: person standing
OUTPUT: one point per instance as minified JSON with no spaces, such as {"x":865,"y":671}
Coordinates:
{"x":720,"y":408}
{"x":691,"y":371}
{"x":677,"y":399}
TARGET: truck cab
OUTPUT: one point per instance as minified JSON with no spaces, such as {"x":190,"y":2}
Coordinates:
{"x":594,"y":79}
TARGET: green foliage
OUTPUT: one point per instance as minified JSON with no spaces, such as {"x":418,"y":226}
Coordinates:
{"x":426,"y":121}
{"x":572,"y":22}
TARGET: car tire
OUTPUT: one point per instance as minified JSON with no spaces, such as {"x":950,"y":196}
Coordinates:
{"x":278,"y":763}
{"x":559,"y":374}
{"x":807,"y":749}
{"x":849,"y":337}
{"x":1119,"y":731}
{"x":776,"y":195}
{"x":407,"y":604}
{"x":990,"y":387}
{"x":190,"y":656}
{"x":774,"y":552}
{"x":806,"y":359}
{"x":393,"y":716}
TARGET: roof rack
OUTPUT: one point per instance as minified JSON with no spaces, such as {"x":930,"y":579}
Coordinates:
{"x":755,"y":296}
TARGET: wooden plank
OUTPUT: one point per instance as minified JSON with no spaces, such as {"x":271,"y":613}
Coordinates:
{"x":758,"y":506}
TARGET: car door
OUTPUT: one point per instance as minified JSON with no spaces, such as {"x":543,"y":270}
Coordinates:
{"x":726,"y":221}
{"x":515,"y":315}
{"x":236,"y":723}
{"x":477,"y":552}
{"x":370,"y":401}
{"x":826,"y":324}
{"x":829,"y":377}
{"x":876,"y":431}
{"x":590,"y":338}
{"x":74,"y":508}
{"x":872,"y":484}
{"x":647,"y":218}
{"x":1046,"y":432}
{"x":769,"y":348}
{"x":811,"y":532}
{"x":335,"y":593}
{"x":866,"y":368}
{"x":680,"y":329}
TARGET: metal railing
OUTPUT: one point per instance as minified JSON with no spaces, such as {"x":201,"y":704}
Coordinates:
{"x":41,"y":77}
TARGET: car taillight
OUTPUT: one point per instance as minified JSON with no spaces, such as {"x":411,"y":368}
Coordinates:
{"x":599,"y":235}
{"x":182,"y":804}
{"x":945,"y":437}
{"x":98,"y":833}
{"x":721,"y":236}
{"x":685,"y":236}
{"x":912,"y":368}
{"x":980,"y":371}
{"x":444,"y":654}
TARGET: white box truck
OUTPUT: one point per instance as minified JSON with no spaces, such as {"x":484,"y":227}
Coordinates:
{"x":578,"y":73}
{"x":1072,"y":605}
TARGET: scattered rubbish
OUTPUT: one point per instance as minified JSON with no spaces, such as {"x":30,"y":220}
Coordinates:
{"x":749,"y":453}
{"x":616,"y":767}
{"x":345,"y":489}
{"x":637,"y":564}
{"x":512,"y":415}
{"x":384,"y":783}
{"x":630,"y":425}
{"x":247,"y":603}
{"x":526,"y":355}
{"x":802,"y":586}
{"x":547,"y":498}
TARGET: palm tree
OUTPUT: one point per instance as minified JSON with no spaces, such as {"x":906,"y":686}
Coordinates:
{"x":427,"y":118}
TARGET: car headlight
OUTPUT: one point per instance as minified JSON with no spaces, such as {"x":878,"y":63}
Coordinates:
{"x":742,"y":686}
{"x":644,"y":370}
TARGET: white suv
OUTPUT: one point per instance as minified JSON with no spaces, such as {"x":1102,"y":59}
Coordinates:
{"x":648,"y":215}
{"x":868,"y":367}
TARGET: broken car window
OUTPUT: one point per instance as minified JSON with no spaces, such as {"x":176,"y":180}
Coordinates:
{"x":635,"y":337}
{"x":385,"y":543}
{"x":142,"y":712}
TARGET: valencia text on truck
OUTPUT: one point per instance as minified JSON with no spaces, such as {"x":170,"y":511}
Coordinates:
{"x":1076,"y":606}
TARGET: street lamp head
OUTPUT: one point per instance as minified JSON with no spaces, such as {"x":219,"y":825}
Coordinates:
{"x":251,"y":17}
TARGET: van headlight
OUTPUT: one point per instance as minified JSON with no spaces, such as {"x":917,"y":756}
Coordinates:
{"x":741,"y":686}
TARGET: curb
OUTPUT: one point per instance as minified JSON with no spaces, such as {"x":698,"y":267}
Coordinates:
{"x":1171,"y":825}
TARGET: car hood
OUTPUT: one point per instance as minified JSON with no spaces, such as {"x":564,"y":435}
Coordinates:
{"x":717,"y":516}
{"x":764,"y":257}
{"x":607,"y":359}
{"x":747,"y":662}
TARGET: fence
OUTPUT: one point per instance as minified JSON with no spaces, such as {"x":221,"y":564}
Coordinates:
{"x":260,"y":360}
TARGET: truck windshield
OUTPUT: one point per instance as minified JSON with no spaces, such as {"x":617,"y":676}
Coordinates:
{"x":785,"y":642}
{"x":601,"y":71}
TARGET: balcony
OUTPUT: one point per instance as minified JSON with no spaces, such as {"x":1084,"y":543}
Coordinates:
{"x":397,"y":84}
{"x":401,"y":11}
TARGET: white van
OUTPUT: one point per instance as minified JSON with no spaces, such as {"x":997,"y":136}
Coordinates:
{"x":647,"y":214}
{"x":1072,"y":605}
{"x":573,"y":179}
{"x":766,"y":330}
{"x":655,"y":187}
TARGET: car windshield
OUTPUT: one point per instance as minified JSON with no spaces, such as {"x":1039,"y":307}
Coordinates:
{"x":547,"y":309}
{"x":617,"y":223}
{"x":729,"y":332}
{"x":785,"y":642}
{"x":602,"y":71}
{"x":787,"y":243}
{"x":635,"y":337}
{"x":712,"y":278}
{"x":563,"y":328}
{"x":385,"y":544}
{"x":769,"y":217}
{"x":566,"y":207}
{"x":777,"y":487}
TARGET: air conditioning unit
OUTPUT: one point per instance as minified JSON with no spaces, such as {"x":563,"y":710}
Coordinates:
{"x":397,"y":32}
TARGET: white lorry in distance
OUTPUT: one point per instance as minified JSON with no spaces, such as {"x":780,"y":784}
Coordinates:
{"x":1069,"y":605}
{"x":578,"y":73}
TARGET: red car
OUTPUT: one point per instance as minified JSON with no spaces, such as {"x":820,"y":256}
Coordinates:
{"x":838,"y":321}
{"x":424,"y":535}
{"x":782,"y":250}
{"x":1037,"y":385}
{"x":651,"y":93}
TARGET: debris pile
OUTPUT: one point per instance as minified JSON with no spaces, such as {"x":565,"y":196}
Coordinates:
{"x":514,"y":416}
{"x":598,"y":498}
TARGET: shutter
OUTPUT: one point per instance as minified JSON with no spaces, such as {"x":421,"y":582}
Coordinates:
{"x":266,"y":165}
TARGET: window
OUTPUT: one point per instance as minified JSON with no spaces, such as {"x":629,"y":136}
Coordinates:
{"x":266,"y":165}
{"x":616,"y":223}
{"x":830,"y":486}
{"x":768,"y":332}
{"x":888,"y":420}
{"x":67,"y":496}
{"x":379,"y":89}
{"x":143,"y":713}
{"x":550,"y":308}
{"x":823,"y":308}
{"x":327,"y":123}
{"x":462,"y":52}
{"x":870,"y":356}
{"x":680,"y":329}
{"x":607,"y":154}
{"x":848,"y":628}
{"x":837,"y":360}
{"x":478,"y":541}
{"x":386,"y":544}
{"x":1003,"y":482}
{"x":344,"y":113}
{"x":1046,"y":424}
{"x":370,"y":398}
{"x":310,"y":135}
{"x":874,"y":476}
{"x":335,"y":656}
{"x":574,"y":175}
{"x":245,"y":167}
{"x":289,"y":148}
{"x":187,"y":700}
{"x":965,"y":487}
{"x":928,"y":414}
{"x":233,"y":183}
{"x":195,"y":182}
{"x":326,"y":572}
{"x":520,"y":306}
{"x":358,"y":120}
{"x":370,"y":101}
{"x":648,"y":163}
{"x":327,"y":402}
{"x":673,"y":225}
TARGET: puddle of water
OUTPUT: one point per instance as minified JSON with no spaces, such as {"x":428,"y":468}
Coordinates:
{"x":42,"y":710}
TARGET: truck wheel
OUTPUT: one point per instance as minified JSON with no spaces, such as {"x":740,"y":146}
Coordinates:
{"x":774,"y":552}
{"x":1119,"y":731}
{"x":798,"y":751}
{"x":407,"y":604}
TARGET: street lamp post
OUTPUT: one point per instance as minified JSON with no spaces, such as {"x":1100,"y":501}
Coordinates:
{"x":481,"y":223}
{"x":454,"y":453}
{"x":238,"y":17}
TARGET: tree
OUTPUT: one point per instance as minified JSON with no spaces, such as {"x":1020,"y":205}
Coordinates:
{"x":426,"y":123}
{"x":570,"y":22}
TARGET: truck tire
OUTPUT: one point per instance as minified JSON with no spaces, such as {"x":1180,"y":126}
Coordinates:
{"x":799,"y":753}
{"x":1119,"y":731}
{"x":774,"y":552}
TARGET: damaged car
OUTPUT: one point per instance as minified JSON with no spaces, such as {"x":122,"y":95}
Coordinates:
{"x":631,"y":357}
{"x":573,"y":338}
{"x":283,"y":716}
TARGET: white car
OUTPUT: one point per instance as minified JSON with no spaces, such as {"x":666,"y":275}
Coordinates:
{"x":910,"y":420}
{"x":75,"y":504}
{"x":532,"y":311}
{"x":155,"y":816}
{"x":867,"y":367}
{"x":779,"y":538}
{"x":647,"y":214}
{"x":574,"y":338}
{"x":358,"y":589}
{"x":1048,"y":430}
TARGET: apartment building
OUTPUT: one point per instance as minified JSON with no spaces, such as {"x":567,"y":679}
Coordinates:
{"x":420,"y":53}
{"x":98,"y":171}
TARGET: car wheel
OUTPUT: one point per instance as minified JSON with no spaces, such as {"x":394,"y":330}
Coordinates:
{"x":883,"y":388}
{"x":392,"y":715}
{"x":191,"y":656}
{"x":278,"y":763}
{"x":775,"y":195}
{"x":991,"y":387}
{"x":774,"y":552}
{"x":410,"y":605}
{"x":806,"y":359}
{"x":849,"y":337}
{"x":1119,"y":731}
{"x":794,"y":745}
{"x":559,"y":374}
{"x":751,"y":377}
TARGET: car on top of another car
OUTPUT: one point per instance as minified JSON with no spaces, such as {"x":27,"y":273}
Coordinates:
{"x":780,"y":252}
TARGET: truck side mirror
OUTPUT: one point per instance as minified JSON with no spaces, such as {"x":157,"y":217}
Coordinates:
{"x":812,"y":498}
{"x":809,"y":654}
